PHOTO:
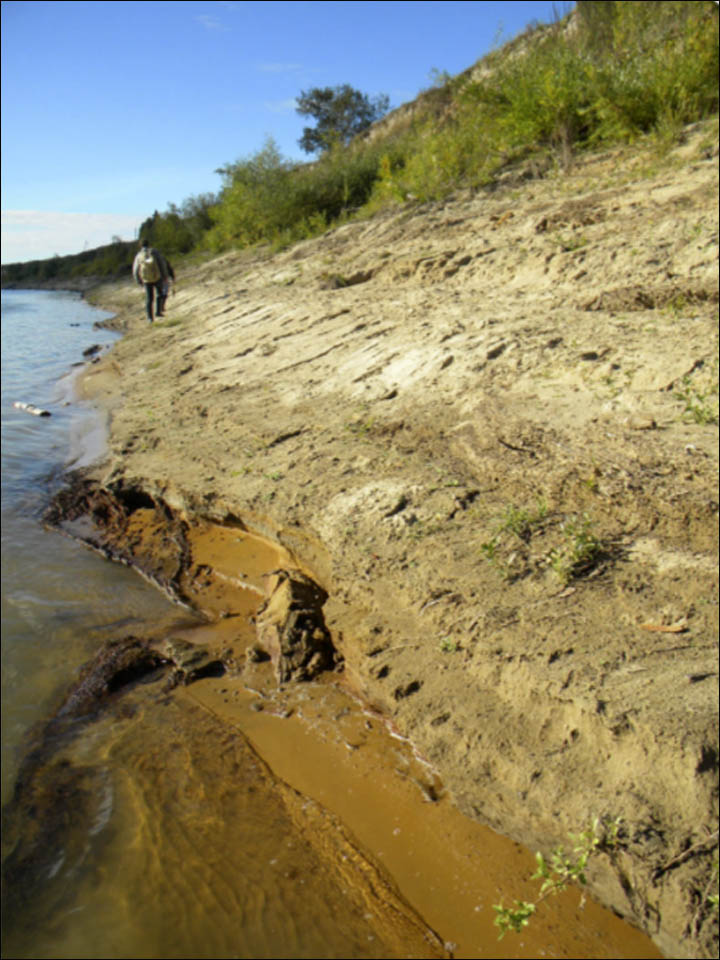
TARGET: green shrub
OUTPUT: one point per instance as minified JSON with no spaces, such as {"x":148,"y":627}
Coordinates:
{"x":254,"y":202}
{"x":273,"y":200}
{"x":661,"y":62}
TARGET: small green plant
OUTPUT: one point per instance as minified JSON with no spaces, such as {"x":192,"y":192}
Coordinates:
{"x":513,"y":919}
{"x":559,"y":871}
{"x":713,"y":898}
{"x":677,"y":305}
{"x":580,"y":552}
{"x":490,"y":550}
{"x":700,"y":407}
{"x":614,"y":388}
{"x":568,"y":244}
{"x":591,"y":481}
{"x":521,"y":522}
{"x":360,"y":428}
{"x":333,"y":281}
{"x":449,"y":646}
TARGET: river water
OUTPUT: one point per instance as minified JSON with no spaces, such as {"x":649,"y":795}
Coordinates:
{"x":59,"y":602}
{"x":156,"y":831}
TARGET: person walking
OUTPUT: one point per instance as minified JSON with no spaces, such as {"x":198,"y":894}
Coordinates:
{"x":150,"y":269}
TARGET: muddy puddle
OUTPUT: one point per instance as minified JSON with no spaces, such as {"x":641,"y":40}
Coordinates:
{"x":235,"y":817}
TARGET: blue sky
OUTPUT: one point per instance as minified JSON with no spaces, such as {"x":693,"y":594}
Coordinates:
{"x":111,"y":110}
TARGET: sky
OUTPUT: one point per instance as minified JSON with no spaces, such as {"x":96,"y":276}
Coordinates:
{"x":111,"y":110}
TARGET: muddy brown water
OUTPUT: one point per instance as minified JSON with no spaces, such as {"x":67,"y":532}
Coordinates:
{"x":233,"y":818}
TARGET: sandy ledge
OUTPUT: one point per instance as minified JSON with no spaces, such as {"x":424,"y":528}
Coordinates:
{"x":471,"y":423}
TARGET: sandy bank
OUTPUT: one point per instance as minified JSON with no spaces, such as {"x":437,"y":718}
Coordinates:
{"x":486,"y":429}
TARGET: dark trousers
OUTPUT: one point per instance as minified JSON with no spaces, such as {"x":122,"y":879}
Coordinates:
{"x":153,"y":290}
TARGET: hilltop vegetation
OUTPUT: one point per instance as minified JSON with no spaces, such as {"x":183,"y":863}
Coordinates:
{"x":608,"y":73}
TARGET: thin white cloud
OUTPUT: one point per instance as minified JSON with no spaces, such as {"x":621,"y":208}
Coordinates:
{"x":212,"y":24}
{"x":279,"y":67}
{"x":38,"y":234}
{"x":280,"y":106}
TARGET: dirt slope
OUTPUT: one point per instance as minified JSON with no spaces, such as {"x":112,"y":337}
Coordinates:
{"x":476,"y":423}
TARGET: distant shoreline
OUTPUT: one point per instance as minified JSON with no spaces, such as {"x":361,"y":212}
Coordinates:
{"x":81,"y":285}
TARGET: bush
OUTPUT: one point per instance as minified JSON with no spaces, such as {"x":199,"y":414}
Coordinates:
{"x":270,"y":199}
{"x":662,"y":62}
{"x":254,"y":201}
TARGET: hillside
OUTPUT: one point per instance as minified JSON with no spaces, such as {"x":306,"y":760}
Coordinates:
{"x":488,"y":428}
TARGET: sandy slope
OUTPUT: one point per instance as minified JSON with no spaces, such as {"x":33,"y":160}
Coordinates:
{"x":433,"y":409}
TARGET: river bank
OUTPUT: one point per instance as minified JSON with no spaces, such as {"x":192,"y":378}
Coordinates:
{"x":72,"y":285}
{"x":485,"y":428}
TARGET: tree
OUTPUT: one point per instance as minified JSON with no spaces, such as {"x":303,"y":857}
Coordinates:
{"x":255,"y":198}
{"x":340,"y":114}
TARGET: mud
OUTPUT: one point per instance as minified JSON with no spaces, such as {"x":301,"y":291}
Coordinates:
{"x":195,"y":789}
{"x":494,"y":446}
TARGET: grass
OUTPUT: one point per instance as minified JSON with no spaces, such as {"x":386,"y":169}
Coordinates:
{"x":579,"y":552}
{"x":591,"y":483}
{"x":521,"y":522}
{"x":570,"y":243}
{"x":449,"y":646}
{"x":677,"y":305}
{"x":701,"y":404}
{"x":360,"y":428}
{"x":490,"y":550}
{"x":516,"y":523}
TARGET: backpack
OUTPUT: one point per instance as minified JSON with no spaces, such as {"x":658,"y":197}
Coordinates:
{"x":150,"y":268}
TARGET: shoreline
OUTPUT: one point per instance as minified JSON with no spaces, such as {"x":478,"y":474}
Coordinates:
{"x":81,"y":285}
{"x":434,"y":447}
